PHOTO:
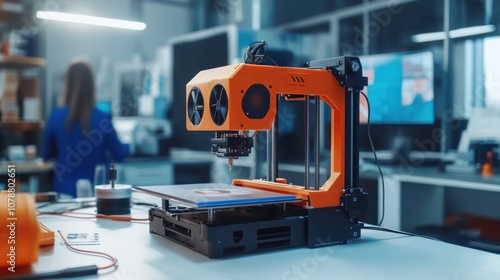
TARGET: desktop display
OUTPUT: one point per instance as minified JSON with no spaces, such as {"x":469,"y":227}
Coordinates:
{"x":400,"y":88}
{"x":188,"y":58}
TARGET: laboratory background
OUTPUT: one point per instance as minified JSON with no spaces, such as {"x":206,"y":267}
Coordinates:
{"x":421,"y":138}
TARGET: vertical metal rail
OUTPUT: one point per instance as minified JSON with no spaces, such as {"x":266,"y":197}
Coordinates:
{"x":272,"y":162}
{"x":316,"y":142}
{"x":307,"y":145}
{"x":351,"y":138}
{"x":211,"y":215}
{"x":447,"y":85}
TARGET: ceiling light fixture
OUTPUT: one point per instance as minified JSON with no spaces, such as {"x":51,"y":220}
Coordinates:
{"x":456,"y":33}
{"x":91,"y":20}
{"x":471,"y":31}
{"x":428,"y":37}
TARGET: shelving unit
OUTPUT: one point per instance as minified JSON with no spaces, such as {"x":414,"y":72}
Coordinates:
{"x":31,"y":175}
{"x":22,"y":126}
{"x":20,"y":62}
{"x":11,"y":10}
{"x":20,"y":99}
{"x":11,"y":13}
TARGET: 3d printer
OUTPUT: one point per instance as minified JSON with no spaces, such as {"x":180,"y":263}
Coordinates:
{"x":256,"y":215}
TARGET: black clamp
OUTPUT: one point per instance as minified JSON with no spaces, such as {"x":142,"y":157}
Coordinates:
{"x":346,"y":69}
{"x":354,"y":199}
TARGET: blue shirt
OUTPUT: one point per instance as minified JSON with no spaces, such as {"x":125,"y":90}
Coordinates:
{"x":76,"y":154}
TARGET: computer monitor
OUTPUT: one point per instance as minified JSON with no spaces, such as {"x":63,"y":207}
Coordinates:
{"x":400,"y":88}
{"x":401,"y":94}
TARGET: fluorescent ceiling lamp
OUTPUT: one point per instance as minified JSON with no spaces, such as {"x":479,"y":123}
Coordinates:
{"x":428,"y":37}
{"x":456,"y":33}
{"x":100,"y":21}
{"x":470,"y":31}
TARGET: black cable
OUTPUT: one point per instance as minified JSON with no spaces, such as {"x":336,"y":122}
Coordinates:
{"x":256,"y":53}
{"x":376,"y":158}
{"x":64,"y":273}
{"x":400,"y":232}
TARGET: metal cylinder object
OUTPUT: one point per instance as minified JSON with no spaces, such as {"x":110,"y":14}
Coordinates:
{"x":113,"y":201}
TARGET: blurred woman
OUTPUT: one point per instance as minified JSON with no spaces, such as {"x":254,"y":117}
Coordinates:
{"x":77,"y":135}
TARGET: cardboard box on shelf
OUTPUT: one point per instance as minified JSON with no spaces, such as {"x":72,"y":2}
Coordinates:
{"x":10,"y":112}
{"x":28,"y":87}
{"x":9,"y":82}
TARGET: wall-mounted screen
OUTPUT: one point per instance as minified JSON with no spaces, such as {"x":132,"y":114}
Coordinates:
{"x":400,"y":88}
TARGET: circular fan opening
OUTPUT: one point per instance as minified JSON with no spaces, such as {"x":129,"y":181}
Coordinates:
{"x":195,"y":106}
{"x":218,"y":104}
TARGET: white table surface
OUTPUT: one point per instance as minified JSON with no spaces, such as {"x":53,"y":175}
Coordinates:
{"x":376,"y":255}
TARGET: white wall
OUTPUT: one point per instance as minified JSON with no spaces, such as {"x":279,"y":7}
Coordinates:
{"x":164,"y":21}
{"x":60,"y":42}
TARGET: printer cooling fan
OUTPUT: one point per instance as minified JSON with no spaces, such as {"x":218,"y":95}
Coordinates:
{"x":195,"y":106}
{"x":218,"y":104}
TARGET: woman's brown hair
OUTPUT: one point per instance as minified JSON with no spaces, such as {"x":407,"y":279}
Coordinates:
{"x":79,"y":95}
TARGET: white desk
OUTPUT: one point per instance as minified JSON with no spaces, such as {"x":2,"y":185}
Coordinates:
{"x":377,"y":255}
{"x":424,"y":203}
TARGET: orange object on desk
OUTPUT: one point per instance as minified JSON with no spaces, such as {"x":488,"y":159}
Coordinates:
{"x":46,"y":236}
{"x":489,"y":228}
{"x":19,"y":230}
{"x":487,"y":167}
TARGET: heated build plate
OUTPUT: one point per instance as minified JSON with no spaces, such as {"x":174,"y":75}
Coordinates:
{"x":214,"y":195}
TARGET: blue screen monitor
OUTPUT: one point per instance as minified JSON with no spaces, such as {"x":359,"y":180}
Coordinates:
{"x":400,"y":88}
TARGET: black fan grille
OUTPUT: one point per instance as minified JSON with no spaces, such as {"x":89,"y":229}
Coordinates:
{"x":195,"y":106}
{"x":218,"y":104}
